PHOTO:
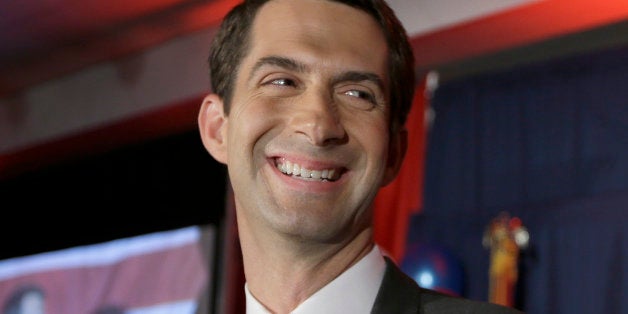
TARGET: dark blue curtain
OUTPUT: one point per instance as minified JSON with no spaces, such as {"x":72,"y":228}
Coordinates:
{"x":546,"y":142}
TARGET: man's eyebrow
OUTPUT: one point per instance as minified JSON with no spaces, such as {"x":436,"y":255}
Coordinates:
{"x":296,"y":66}
{"x":282,"y":62}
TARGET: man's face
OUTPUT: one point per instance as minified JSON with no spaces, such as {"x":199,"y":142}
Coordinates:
{"x":307,"y":140}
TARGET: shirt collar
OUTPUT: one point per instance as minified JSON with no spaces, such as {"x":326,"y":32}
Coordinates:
{"x":354,"y":291}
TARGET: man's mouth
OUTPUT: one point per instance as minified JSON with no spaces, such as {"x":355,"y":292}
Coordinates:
{"x":296,"y":170}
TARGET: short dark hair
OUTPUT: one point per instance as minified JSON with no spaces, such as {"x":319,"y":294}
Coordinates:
{"x":231,"y":44}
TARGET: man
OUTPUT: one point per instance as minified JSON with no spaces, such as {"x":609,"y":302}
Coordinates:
{"x":308,"y":111}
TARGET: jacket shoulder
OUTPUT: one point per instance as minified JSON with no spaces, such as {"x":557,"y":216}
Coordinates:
{"x":435,"y":302}
{"x":399,"y":293}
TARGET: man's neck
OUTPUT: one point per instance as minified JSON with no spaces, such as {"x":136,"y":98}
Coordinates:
{"x":281,"y":273}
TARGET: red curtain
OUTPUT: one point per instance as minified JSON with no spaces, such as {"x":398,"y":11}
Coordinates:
{"x":396,"y":202}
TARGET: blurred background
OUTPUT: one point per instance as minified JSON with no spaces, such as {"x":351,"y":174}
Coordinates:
{"x":521,"y":108}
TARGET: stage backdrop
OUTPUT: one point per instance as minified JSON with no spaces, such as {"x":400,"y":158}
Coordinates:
{"x":547,"y":142}
{"x":156,"y":273}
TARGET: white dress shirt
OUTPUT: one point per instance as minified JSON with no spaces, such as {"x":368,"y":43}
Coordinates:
{"x":354,"y":291}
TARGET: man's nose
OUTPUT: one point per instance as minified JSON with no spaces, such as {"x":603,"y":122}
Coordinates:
{"x":317,"y":118}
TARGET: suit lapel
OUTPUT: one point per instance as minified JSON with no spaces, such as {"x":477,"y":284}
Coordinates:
{"x":398,"y":293}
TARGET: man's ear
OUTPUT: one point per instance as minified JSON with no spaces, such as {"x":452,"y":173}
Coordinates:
{"x":212,"y":124}
{"x":396,"y":153}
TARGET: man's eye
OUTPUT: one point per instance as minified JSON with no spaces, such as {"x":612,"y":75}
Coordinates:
{"x":282,"y":82}
{"x":361,"y":94}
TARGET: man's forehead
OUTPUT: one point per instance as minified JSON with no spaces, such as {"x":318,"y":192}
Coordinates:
{"x":334,"y":25}
{"x":338,"y":39}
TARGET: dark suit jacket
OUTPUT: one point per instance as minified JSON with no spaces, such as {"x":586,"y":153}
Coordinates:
{"x":401,"y":294}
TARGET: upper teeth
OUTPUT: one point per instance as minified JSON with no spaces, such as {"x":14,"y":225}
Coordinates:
{"x":295,"y":169}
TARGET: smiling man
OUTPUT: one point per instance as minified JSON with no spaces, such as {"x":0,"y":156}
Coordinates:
{"x":310,"y":98}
